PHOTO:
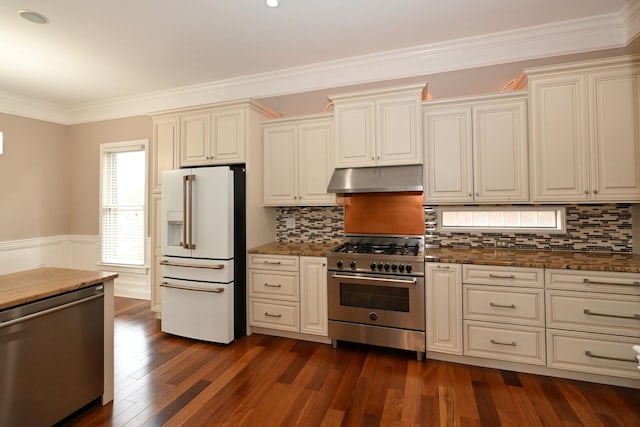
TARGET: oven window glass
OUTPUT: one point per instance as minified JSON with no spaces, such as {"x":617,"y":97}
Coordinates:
{"x":378,"y":297}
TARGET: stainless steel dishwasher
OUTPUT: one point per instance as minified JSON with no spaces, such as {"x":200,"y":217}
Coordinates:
{"x":51,"y":357}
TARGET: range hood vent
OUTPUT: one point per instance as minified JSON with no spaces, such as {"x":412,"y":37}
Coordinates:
{"x":383,"y":179}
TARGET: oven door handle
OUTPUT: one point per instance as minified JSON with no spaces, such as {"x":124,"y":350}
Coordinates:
{"x":411,"y":281}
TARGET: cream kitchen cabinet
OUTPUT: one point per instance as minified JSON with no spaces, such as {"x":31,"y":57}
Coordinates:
{"x":289,"y":294}
{"x":593,"y":319}
{"x":585,"y":131}
{"x":503,"y":311}
{"x":381,"y":127}
{"x":444,"y":307}
{"x":298,"y":161}
{"x":476,"y":149}
{"x":164,"y":149}
{"x":313,"y":296}
{"x":213,"y":137}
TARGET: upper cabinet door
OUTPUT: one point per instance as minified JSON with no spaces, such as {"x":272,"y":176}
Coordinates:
{"x":280,"y":165}
{"x":448,"y":154}
{"x":398,"y":130}
{"x":315,"y":162}
{"x":195,"y":139}
{"x":355,"y":134}
{"x":164,"y":150}
{"x":614,"y":100}
{"x":228,"y":136}
{"x":559,"y":145}
{"x":500,"y":151}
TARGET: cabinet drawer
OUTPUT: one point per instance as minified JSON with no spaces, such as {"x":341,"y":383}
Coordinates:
{"x":499,"y":304}
{"x":594,"y":353}
{"x":515,"y":344}
{"x":268,"y":284}
{"x":274,"y":315}
{"x":502,"y":276}
{"x":593,"y":281}
{"x":603,"y":313}
{"x":273,"y":262}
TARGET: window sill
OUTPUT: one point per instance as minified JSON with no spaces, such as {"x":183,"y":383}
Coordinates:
{"x":123,"y":268}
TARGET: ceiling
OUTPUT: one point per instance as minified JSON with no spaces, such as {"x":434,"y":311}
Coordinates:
{"x":120,"y":56}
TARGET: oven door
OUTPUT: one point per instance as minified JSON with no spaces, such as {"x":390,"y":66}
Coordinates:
{"x":380,"y":300}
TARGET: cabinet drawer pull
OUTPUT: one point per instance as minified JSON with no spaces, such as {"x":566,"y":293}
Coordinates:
{"x":269,"y":285}
{"x":594,"y":282}
{"x":617,"y":316}
{"x":277,"y":316}
{"x":500,"y":276}
{"x":617,"y":359}
{"x":273,"y":262}
{"x":493,"y":304}
{"x":510,"y":344}
{"x":443,"y":267}
{"x":182,"y":264}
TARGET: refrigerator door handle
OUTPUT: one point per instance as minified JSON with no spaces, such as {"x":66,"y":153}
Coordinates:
{"x":184,"y":242}
{"x":189,"y":288}
{"x":190,"y":244}
{"x":178,"y":264}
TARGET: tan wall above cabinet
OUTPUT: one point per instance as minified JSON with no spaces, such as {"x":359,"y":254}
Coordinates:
{"x":585,"y":131}
{"x":476,"y":149}
{"x":380,"y":127}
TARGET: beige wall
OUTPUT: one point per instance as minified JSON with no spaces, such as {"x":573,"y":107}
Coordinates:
{"x":84,"y":165}
{"x":34,"y":177}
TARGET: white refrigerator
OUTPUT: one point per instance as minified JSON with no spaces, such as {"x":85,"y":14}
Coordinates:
{"x":202,"y":236}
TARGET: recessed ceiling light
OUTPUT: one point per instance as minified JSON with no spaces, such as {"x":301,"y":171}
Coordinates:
{"x":273,"y":3}
{"x":35,"y":17}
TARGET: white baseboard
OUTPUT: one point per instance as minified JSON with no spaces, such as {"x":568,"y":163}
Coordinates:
{"x":70,"y":251}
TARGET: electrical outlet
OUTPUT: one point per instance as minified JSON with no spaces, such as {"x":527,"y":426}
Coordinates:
{"x":290,"y":223}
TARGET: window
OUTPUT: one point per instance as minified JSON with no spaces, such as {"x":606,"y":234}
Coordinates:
{"x":498,"y":219}
{"x":123,"y":208}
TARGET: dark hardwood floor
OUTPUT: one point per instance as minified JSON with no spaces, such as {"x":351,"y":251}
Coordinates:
{"x":268,"y":381}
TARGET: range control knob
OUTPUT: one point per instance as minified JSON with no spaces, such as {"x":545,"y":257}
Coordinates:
{"x":379,"y":266}
{"x":352,"y":264}
{"x":409,"y":268}
{"x":372,"y":265}
{"x":394,"y":266}
{"x":401,"y":268}
{"x":339,"y":263}
{"x":386,"y":266}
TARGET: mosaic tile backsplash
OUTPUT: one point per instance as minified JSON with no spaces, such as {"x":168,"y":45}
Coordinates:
{"x":602,"y":227}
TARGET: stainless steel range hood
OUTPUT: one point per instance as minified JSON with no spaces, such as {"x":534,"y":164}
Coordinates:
{"x":382,"y":179}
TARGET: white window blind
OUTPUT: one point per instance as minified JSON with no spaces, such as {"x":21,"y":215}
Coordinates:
{"x":123,"y":203}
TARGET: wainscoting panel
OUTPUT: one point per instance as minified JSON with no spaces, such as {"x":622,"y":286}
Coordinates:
{"x":72,"y":251}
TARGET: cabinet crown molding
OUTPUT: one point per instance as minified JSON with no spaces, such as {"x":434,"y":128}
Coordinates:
{"x":628,"y":60}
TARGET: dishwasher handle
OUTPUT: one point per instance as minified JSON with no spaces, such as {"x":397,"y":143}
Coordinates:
{"x":49,"y":311}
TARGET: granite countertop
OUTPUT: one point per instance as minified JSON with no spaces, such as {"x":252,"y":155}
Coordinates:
{"x":319,"y":249}
{"x":597,"y":261}
{"x":31,"y":285}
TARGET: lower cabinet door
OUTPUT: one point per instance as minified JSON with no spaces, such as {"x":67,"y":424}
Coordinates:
{"x":497,"y":341}
{"x":274,"y":315}
{"x":594,"y":353}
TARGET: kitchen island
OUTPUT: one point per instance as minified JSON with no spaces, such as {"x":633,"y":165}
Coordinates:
{"x":55,"y":311}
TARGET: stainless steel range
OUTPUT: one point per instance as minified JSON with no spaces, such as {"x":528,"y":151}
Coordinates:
{"x":376,"y":292}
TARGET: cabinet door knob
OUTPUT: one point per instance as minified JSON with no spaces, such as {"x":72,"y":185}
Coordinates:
{"x":470,"y":195}
{"x":477,"y":193}
{"x":586,"y":191}
{"x":595,"y":191}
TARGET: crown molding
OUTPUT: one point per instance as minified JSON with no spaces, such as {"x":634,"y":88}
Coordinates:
{"x":562,"y":38}
{"x":630,"y":16}
{"x":33,"y":108}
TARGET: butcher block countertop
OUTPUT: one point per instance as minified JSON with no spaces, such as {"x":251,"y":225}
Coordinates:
{"x":595,"y":261}
{"x":31,"y":285}
{"x":296,"y":249}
